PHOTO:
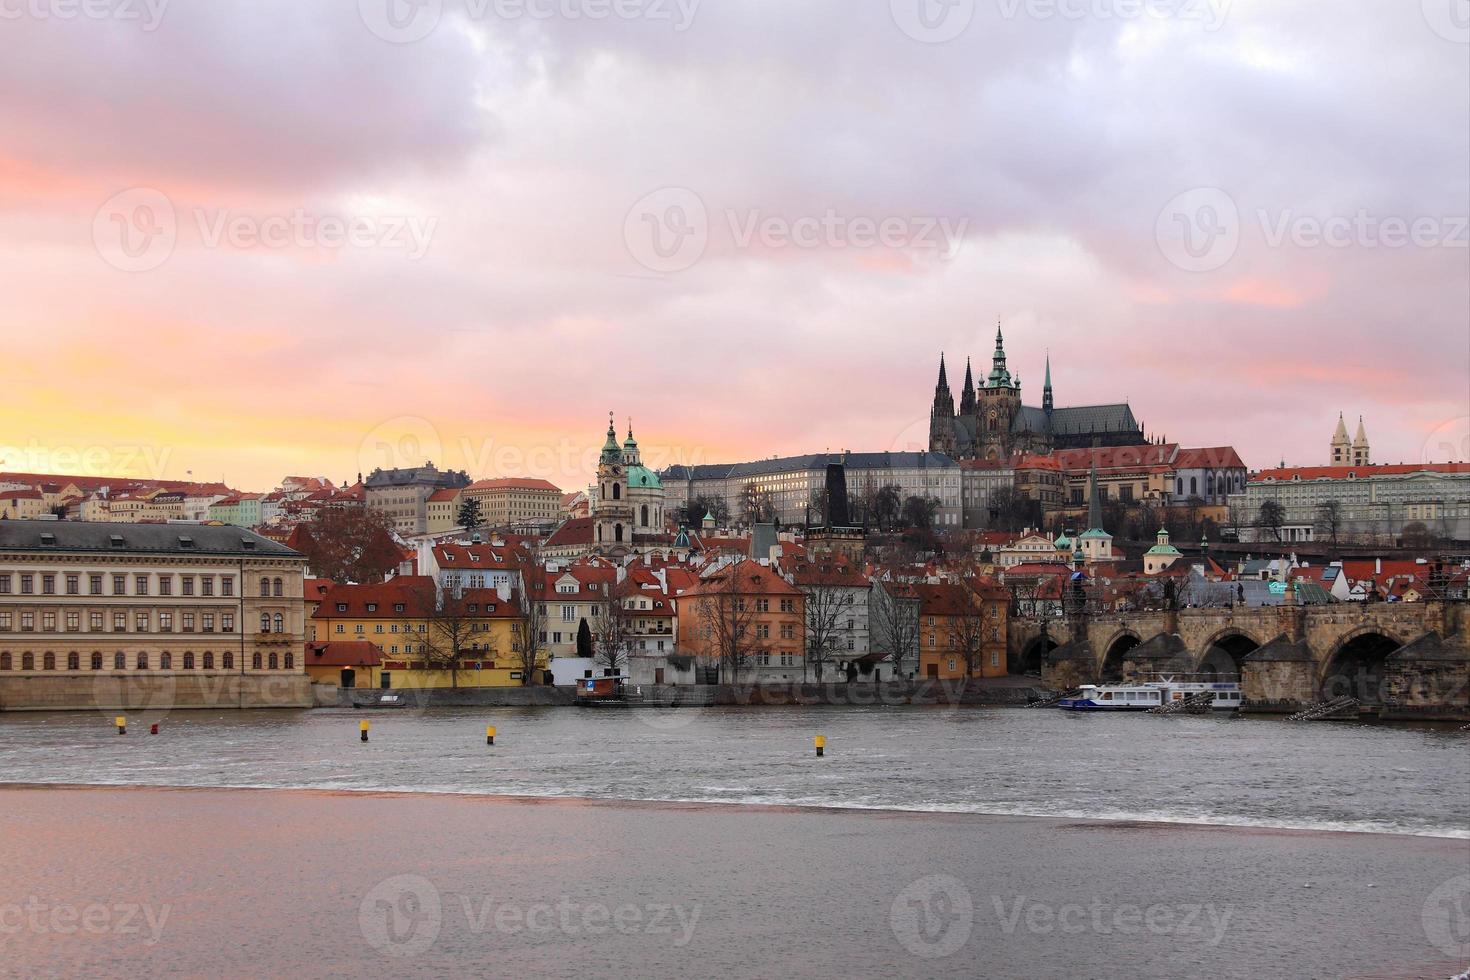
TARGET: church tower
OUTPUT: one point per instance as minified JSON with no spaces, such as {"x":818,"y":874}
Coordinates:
{"x":612,"y":511}
{"x":941,"y":416}
{"x":967,"y":400}
{"x":1360,"y":445}
{"x":1046,"y":402}
{"x":1340,"y":445}
{"x":1000,"y":403}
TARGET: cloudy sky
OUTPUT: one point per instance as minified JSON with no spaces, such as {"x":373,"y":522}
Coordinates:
{"x":245,"y":239}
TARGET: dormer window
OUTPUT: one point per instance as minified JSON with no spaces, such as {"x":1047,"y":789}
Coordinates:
{"x":47,"y":538}
{"x":341,"y":607}
{"x":398,"y":607}
{"x":372,"y":607}
{"x":115,"y":540}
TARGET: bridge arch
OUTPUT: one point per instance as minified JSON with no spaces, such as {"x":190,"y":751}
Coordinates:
{"x":1223,"y":654}
{"x":1029,"y":661}
{"x":1119,"y":645}
{"x":1355,"y":667}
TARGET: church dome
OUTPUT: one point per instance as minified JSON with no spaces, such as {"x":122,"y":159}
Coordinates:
{"x":642,"y":476}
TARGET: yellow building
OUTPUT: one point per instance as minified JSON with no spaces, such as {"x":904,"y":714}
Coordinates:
{"x":22,"y":505}
{"x":506,"y":502}
{"x":442,"y":510}
{"x":426,"y":638}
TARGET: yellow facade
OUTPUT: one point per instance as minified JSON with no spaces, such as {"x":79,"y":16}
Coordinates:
{"x":490,"y":650}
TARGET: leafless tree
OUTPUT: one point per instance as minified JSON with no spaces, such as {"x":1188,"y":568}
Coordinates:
{"x":727,"y":624}
{"x":893,"y":617}
{"x":1271,"y":517}
{"x":967,"y":630}
{"x":756,"y":505}
{"x":1329,"y":520}
{"x":533,"y":616}
{"x":449,"y":627}
{"x":612,"y":636}
{"x":829,"y":607}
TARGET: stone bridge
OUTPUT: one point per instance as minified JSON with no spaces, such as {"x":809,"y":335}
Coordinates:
{"x":1397,"y":659}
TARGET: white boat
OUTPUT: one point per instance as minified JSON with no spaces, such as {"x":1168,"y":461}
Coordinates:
{"x":1151,"y":694}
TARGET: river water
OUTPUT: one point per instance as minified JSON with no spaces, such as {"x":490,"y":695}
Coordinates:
{"x":1245,"y":772}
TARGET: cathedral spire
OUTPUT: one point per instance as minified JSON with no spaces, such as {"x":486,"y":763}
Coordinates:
{"x":999,"y":376}
{"x":1094,"y":502}
{"x":943,"y":378}
{"x":1046,"y":402}
{"x":967,"y":397}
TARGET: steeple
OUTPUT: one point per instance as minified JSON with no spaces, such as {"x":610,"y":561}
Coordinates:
{"x":1046,"y":402}
{"x":1360,"y":445}
{"x":967,"y":397}
{"x":610,"y":451}
{"x":999,"y":376}
{"x":1340,"y":453}
{"x":943,"y":378}
{"x":1094,"y":502}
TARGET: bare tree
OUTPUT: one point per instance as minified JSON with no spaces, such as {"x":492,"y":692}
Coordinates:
{"x":613,"y":636}
{"x":449,"y":622}
{"x":756,"y":505}
{"x":1271,"y":517}
{"x":893,"y":616}
{"x":533,"y":616}
{"x":967,"y":629}
{"x":1329,"y":520}
{"x":727,"y":624}
{"x":829,"y":605}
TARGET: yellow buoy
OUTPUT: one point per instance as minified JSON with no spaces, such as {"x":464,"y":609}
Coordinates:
{"x":362,"y":726}
{"x":489,"y":734}
{"x":821,"y":742}
{"x":122,"y":724}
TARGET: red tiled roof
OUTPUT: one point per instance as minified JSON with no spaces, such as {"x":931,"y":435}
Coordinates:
{"x":1215,"y":457}
{"x":572,"y":533}
{"x":448,"y":493}
{"x":514,"y":483}
{"x":1360,"y":472}
{"x":344,"y":653}
{"x":1117,"y":458}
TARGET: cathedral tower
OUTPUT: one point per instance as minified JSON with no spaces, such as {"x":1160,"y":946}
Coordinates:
{"x":999,"y":404}
{"x":941,"y":416}
{"x":1360,"y":445}
{"x":612,"y":511}
{"x":1340,"y":445}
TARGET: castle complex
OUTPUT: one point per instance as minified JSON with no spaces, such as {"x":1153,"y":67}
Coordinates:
{"x":993,"y":424}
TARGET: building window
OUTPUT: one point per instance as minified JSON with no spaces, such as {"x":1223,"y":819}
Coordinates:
{"x":119,"y":622}
{"x":119,"y":661}
{"x":142,"y":661}
{"x":165,"y":622}
{"x":188,"y":621}
{"x":28,"y":661}
{"x":208,"y":660}
{"x":96,"y":661}
{"x":4,"y":584}
{"x":208,"y":622}
{"x":188,"y":660}
{"x":140,"y":585}
{"x":48,"y":622}
{"x":119,"y":585}
{"x":280,"y":623}
{"x":227,"y":622}
{"x":73,"y":585}
{"x":73,"y":621}
{"x":94,"y":584}
{"x":5,"y":661}
{"x":265,"y":588}
{"x":165,"y":585}
{"x":140,"y":622}
{"x":255,"y":661}
{"x":272,"y":662}
{"x":27,"y":584}
{"x":186,"y":585}
{"x":290,"y":661}
{"x":265,"y":622}
{"x":48,"y":661}
{"x":165,"y":661}
{"x":278,"y":589}
{"x":227,"y":660}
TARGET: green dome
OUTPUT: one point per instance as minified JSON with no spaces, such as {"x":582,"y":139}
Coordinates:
{"x":642,"y":476}
{"x":1062,"y":542}
{"x":1096,"y":532}
{"x":1163,"y":549}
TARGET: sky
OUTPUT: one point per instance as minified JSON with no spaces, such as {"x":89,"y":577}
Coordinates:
{"x":242,"y":240}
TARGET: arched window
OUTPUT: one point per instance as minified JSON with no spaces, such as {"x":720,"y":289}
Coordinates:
{"x":208,"y":660}
{"x":617,"y":532}
{"x":73,"y":661}
{"x":227,"y":660}
{"x":119,"y":661}
{"x":280,"y":623}
{"x":96,"y":661}
{"x":1210,"y":484}
{"x":28,"y":661}
{"x":617,"y":491}
{"x":165,"y":661}
{"x":48,"y":661}
{"x":1180,"y":491}
{"x":265,"y":622}
{"x":188,"y":660}
{"x":643,"y":515}
{"x":142,"y":661}
{"x":1193,"y":485}
{"x":278,"y":588}
{"x":5,"y":661}
{"x":273,"y":661}
{"x":289,"y":661}
{"x":265,"y":587}
{"x":255,"y":661}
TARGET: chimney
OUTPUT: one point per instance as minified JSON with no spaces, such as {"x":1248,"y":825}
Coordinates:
{"x":1378,"y":566}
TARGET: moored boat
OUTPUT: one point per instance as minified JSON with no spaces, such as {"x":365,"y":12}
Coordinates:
{"x":1148,"y":695}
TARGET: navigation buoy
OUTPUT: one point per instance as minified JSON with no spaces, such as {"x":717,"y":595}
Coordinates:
{"x":821,"y":743}
{"x":122,"y":725}
{"x":489,"y":734}
{"x":362,"y":726}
